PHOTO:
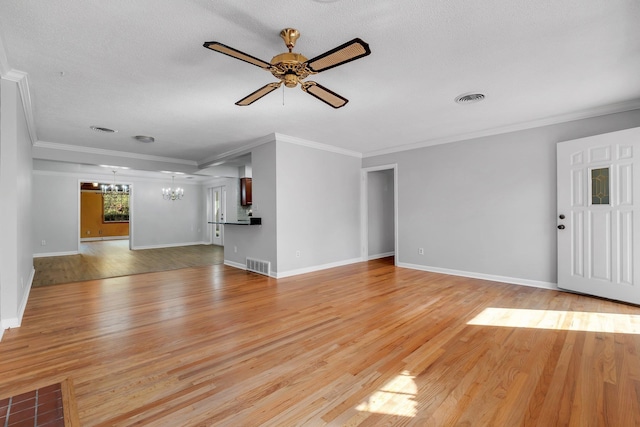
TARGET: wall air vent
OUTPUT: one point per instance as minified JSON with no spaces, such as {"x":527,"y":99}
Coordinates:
{"x":259,"y":266}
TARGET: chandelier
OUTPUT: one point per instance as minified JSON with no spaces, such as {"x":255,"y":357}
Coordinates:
{"x":172,"y":193}
{"x":115,"y":200}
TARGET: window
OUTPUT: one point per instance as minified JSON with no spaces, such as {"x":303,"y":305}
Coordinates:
{"x":115,"y":207}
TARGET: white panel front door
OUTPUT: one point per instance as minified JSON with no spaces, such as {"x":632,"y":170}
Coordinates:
{"x":599,"y":215}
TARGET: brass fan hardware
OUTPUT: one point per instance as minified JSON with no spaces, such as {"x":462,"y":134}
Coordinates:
{"x":291,"y":68}
{"x":290,"y":35}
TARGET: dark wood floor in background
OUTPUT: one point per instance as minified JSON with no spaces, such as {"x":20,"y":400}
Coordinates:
{"x":112,"y":258}
{"x":367,"y":344}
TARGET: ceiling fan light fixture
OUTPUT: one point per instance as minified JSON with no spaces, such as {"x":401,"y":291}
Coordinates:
{"x":469,"y":98}
{"x":290,"y":80}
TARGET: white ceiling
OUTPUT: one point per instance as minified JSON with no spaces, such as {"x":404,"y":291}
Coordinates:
{"x":139,"y":67}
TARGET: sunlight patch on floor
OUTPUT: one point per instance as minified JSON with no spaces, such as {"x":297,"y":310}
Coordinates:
{"x":397,"y":397}
{"x":560,"y":320}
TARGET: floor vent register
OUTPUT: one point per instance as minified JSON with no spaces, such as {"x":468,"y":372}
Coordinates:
{"x":259,"y":266}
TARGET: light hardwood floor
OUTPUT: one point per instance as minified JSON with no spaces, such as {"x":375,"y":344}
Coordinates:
{"x":367,"y":344}
{"x":112,"y":258}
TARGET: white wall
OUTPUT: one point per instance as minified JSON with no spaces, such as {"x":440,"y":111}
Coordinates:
{"x":16,"y":254}
{"x":487,"y":207}
{"x":380,"y":210}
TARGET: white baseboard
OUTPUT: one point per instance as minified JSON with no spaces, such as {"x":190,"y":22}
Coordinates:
{"x":235,"y":264}
{"x":48,"y":254}
{"x":378,"y":256}
{"x":15,"y":322}
{"x":305,"y":270}
{"x":482,"y":276}
{"x":170,"y":245}
{"x":99,"y":239}
{"x":314,"y":268}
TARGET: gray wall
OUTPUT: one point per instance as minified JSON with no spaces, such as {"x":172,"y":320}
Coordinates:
{"x":55,"y":213}
{"x":16,"y":254}
{"x":308,"y":200}
{"x":233,"y":208}
{"x":257,"y":242}
{"x":380,"y":215}
{"x":487,"y":206}
{"x":155,"y":222}
{"x":318,"y":207}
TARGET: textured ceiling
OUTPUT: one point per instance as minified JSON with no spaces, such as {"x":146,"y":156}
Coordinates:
{"x":139,"y":67}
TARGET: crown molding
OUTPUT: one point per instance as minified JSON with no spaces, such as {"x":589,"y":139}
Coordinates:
{"x":22,"y":80}
{"x":317,"y":145}
{"x":103,"y":152}
{"x":4,"y":62}
{"x":219,"y":158}
{"x":211,"y":161}
{"x":564,"y":118}
{"x":125,"y":176}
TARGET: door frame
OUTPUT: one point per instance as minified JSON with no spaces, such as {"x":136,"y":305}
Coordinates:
{"x":79,"y":210}
{"x":210,"y":211}
{"x":364,"y":209}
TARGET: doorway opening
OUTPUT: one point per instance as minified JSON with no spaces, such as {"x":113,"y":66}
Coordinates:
{"x":105,"y":211}
{"x":379,"y":202}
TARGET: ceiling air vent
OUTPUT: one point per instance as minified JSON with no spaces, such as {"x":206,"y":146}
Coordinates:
{"x":469,"y":98}
{"x":103,"y":130}
{"x":145,"y":139}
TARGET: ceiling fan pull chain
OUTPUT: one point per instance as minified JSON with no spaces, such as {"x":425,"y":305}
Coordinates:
{"x":283,"y":95}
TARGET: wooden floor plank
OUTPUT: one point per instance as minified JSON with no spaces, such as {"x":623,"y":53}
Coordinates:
{"x":113,"y":258}
{"x":359,"y":345}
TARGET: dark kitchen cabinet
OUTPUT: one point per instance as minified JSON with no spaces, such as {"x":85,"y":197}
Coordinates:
{"x":245,"y":191}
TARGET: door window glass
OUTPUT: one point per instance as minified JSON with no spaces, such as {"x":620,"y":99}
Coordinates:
{"x":600,"y":186}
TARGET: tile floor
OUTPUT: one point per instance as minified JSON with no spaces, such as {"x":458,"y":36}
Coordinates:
{"x":37,"y":408}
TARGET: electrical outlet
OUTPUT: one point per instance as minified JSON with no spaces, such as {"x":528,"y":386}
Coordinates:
{"x":235,"y":249}
{"x":44,"y":243}
{"x":420,"y":251}
{"x":297,"y":254}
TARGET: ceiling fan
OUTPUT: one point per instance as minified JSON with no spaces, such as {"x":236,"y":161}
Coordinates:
{"x":292,"y":68}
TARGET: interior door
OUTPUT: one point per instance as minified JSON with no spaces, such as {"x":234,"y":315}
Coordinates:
{"x":599,"y":215}
{"x":218,"y":209}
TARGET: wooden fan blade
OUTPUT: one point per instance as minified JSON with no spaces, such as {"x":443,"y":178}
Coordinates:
{"x":234,"y":53}
{"x":342,"y":54}
{"x":264,"y":90}
{"x":323,"y":94}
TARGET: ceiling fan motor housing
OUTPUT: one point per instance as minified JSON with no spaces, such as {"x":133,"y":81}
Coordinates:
{"x":290,"y":68}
